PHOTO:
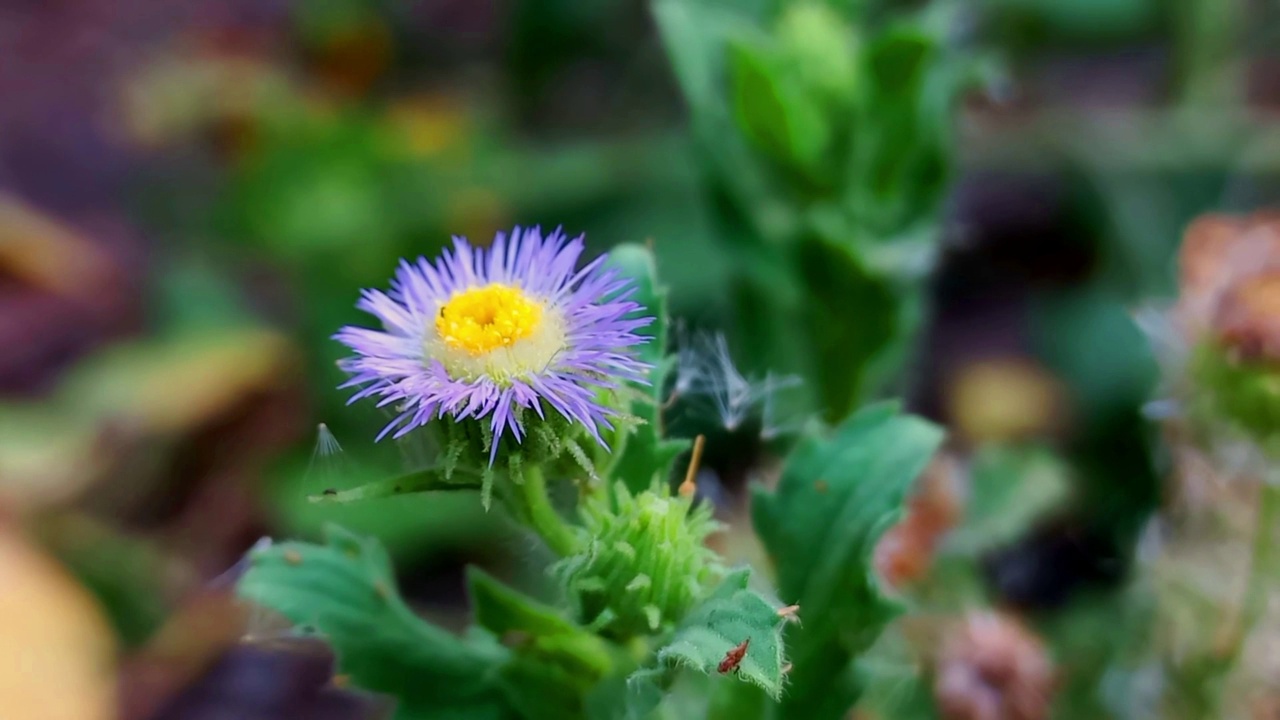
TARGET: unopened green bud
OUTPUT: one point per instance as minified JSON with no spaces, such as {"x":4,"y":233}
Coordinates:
{"x":645,"y":561}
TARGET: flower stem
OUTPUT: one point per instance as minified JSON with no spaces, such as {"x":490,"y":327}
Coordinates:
{"x":1263,"y":559}
{"x":543,"y":517}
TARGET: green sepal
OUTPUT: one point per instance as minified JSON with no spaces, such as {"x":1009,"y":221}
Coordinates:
{"x":643,"y":561}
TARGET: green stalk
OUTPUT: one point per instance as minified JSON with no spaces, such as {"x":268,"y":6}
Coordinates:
{"x":1262,"y":563}
{"x":543,"y":517}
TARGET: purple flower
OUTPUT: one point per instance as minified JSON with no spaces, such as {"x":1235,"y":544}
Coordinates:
{"x":493,"y":333}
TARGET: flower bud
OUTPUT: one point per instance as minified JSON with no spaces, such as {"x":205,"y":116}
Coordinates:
{"x":645,"y":562}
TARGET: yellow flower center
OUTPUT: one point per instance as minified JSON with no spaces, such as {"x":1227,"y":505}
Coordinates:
{"x":481,"y":320}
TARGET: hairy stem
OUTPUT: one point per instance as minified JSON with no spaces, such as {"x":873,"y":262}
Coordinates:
{"x":1262,"y":561}
{"x":543,"y":517}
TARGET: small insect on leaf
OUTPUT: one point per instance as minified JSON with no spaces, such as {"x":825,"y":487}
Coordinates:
{"x":734,"y":657}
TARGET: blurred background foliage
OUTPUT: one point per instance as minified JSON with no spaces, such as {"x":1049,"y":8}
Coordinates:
{"x":960,"y":203}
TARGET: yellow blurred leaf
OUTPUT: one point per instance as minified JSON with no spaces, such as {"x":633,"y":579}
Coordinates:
{"x":172,"y":386}
{"x":1003,"y":399}
{"x":45,"y":458}
{"x":153,"y":389}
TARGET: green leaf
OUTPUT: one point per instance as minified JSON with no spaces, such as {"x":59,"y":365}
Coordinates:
{"x":898,"y":60}
{"x":774,"y":110}
{"x":902,"y":154}
{"x":730,"y":616}
{"x":850,"y":315}
{"x":346,"y":590}
{"x":555,"y":663}
{"x":897,"y":63}
{"x":895,"y":680}
{"x":694,"y":34}
{"x":837,"y":495}
{"x":544,"y":629}
{"x":124,"y":573}
{"x":645,"y":455}
{"x":645,"y":690}
{"x":433,"y":479}
{"x":823,"y":47}
{"x":738,"y":701}
{"x":1009,"y":489}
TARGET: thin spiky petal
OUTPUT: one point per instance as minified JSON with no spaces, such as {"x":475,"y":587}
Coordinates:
{"x":395,"y":365}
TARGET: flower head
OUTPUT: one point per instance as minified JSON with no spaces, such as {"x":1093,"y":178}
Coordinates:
{"x":991,"y":667}
{"x":489,"y":334}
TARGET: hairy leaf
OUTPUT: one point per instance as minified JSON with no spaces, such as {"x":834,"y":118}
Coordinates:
{"x":837,"y":496}
{"x":345,"y":589}
{"x":432,"y":479}
{"x":554,"y":663}
{"x":733,"y":621}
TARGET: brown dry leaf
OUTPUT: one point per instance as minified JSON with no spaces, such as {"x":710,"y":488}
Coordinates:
{"x":194,"y":638}
{"x":56,"y":650}
{"x":46,"y":254}
{"x":1247,"y":318}
{"x":992,"y":667}
{"x":905,"y":553}
{"x":1219,"y":252}
{"x":1203,"y":255}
